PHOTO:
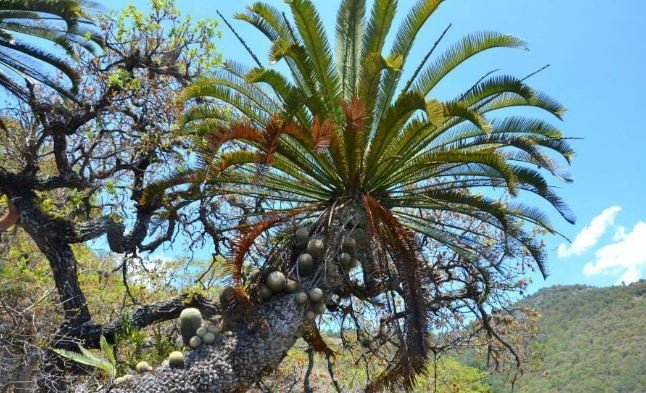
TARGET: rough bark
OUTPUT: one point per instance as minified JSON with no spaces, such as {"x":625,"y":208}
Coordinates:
{"x":50,"y":236}
{"x":254,"y":349}
{"x":235,"y":361}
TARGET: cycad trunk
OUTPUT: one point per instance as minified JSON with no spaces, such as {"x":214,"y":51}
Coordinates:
{"x":232,"y":363}
{"x":237,"y":361}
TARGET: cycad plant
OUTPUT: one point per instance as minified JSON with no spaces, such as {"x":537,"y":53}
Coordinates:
{"x":349,"y":144}
{"x":29,"y":29}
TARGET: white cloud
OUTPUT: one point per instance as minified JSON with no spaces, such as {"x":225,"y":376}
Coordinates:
{"x":590,"y":235}
{"x":626,"y":256}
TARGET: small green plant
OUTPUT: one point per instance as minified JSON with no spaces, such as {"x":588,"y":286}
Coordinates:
{"x":106,"y":364}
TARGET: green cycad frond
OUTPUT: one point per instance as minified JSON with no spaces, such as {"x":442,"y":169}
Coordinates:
{"x":468,"y":47}
{"x":349,"y":33}
{"x":312,"y":32}
{"x":404,"y":39}
{"x":65,"y":23}
{"x":337,"y":131}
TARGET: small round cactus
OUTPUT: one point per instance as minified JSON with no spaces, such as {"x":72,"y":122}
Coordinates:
{"x":265,"y":292}
{"x":195,"y":342}
{"x":276,"y":281}
{"x":305,"y":264}
{"x":311,"y":315}
{"x":316,"y":295}
{"x":122,"y":379}
{"x":301,"y":298}
{"x":319,"y":308}
{"x":291,"y":286}
{"x":176,"y":359}
{"x":189,"y":321}
{"x":348,"y":244}
{"x":201,"y":331}
{"x":346,"y":260}
{"x":143,"y":367}
{"x":209,"y":338}
{"x":316,"y":248}
{"x":301,"y":237}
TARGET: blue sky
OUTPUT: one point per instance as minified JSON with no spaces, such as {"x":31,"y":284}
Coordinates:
{"x":596,"y":52}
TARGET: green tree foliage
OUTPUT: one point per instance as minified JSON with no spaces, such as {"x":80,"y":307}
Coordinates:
{"x":590,"y":340}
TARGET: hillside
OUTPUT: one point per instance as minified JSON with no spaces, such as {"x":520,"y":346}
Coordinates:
{"x":592,"y":339}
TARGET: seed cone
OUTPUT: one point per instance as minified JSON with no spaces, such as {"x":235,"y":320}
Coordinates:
{"x":291,"y":286}
{"x":301,"y":237}
{"x":316,"y":295}
{"x":305,"y":264}
{"x":265,"y":292}
{"x":348,"y":245}
{"x":316,"y":249}
{"x":276,"y":281}
{"x":301,"y":298}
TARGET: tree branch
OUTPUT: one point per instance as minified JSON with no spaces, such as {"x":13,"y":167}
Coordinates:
{"x":142,"y":317}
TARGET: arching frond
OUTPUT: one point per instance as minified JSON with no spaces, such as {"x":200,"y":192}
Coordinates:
{"x":66,"y":24}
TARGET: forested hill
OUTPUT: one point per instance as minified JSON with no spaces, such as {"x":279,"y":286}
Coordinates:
{"x":592,"y":339}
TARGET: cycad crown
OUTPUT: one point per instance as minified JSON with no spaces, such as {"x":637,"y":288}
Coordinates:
{"x":346,"y":127}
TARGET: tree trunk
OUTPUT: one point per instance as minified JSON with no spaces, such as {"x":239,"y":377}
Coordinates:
{"x":49,"y":234}
{"x":233,"y":362}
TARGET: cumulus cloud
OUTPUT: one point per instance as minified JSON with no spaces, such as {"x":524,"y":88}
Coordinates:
{"x":590,"y":235}
{"x":625,"y":256}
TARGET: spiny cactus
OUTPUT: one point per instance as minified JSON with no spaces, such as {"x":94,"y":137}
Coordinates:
{"x":301,"y":298}
{"x":176,"y":359}
{"x":208,"y":338}
{"x":276,"y":281}
{"x":316,"y":295}
{"x":195,"y":342}
{"x":189,"y":321}
{"x":213,"y":328}
{"x":122,"y":379}
{"x":143,"y":367}
{"x":316,"y":249}
{"x":311,"y":315}
{"x":201,"y":331}
{"x":305,"y":264}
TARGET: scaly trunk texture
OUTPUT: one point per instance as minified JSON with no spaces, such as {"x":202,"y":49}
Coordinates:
{"x":236,"y":361}
{"x":232,"y":363}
